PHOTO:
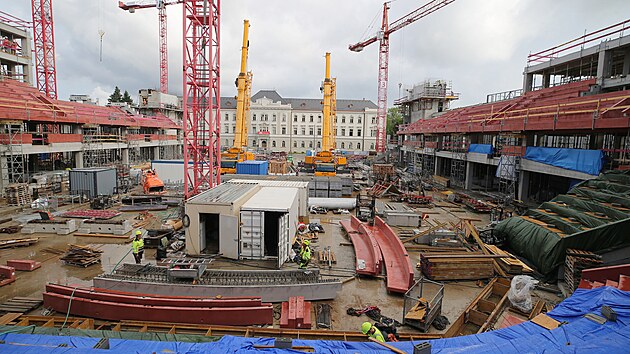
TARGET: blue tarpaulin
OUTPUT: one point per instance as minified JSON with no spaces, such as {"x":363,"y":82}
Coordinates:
{"x":587,"y":161}
{"x":578,"y":335}
{"x":480,"y":148}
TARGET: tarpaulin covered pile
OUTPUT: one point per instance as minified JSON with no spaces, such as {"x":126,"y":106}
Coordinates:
{"x":480,"y":148}
{"x":593,"y":216}
{"x":577,"y":335}
{"x":581,"y":160}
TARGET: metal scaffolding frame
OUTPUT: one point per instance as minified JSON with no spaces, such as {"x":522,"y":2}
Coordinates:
{"x":509,"y":165}
{"x":14,"y":168}
{"x":459,"y":150}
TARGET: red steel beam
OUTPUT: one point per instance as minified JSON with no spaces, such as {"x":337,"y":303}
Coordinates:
{"x":398,"y":266}
{"x":114,"y":311}
{"x":365,"y":247}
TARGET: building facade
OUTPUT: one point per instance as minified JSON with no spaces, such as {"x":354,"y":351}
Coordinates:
{"x":15,"y":54}
{"x":295,"y":124}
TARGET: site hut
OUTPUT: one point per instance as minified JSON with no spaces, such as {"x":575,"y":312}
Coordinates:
{"x":243,"y":221}
{"x":301,"y":185}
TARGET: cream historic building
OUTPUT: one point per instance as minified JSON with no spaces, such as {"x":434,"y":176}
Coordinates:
{"x":295,"y":124}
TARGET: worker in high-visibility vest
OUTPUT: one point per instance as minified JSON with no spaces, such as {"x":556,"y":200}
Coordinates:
{"x":137,"y":247}
{"x":371,"y":331}
{"x":305,"y":254}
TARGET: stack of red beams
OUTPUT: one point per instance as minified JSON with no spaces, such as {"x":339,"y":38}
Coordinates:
{"x":556,"y":108}
{"x":24,"y":264}
{"x":296,"y":313}
{"x":118,"y":306}
{"x":91,"y":214}
{"x":615,"y":276}
{"x":19,"y":101}
{"x":7,"y":275}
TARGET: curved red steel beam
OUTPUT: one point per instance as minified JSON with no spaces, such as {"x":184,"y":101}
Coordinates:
{"x":398,"y":266}
{"x":369,"y":260}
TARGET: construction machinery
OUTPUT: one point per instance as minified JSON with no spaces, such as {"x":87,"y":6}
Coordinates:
{"x":152,"y":183}
{"x":326,"y":162}
{"x":238,"y":152}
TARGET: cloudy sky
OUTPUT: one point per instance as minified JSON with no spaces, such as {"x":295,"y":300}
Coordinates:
{"x":479,"y":45}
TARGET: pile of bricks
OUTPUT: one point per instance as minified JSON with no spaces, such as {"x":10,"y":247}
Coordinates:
{"x":576,"y":261}
{"x":296,"y":313}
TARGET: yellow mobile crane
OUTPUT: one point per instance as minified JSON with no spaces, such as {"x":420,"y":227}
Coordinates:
{"x":238,"y":152}
{"x":326,"y":162}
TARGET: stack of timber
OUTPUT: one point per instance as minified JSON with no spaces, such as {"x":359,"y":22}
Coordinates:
{"x":81,"y":256}
{"x":20,"y":305}
{"x":18,"y":242}
{"x":451,"y":266}
{"x":278,"y":167}
{"x":441,"y":181}
{"x":17,"y":194}
{"x":575,"y":262}
{"x":510,"y":264}
{"x":115,"y":306}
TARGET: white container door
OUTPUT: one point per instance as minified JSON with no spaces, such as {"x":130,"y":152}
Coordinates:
{"x":252,"y":234}
{"x":284,"y":239}
{"x":228,"y":236}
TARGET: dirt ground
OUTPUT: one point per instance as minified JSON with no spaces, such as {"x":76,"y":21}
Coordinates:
{"x":357,"y":292}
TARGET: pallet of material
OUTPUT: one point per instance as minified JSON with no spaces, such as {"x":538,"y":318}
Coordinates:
{"x":456,"y":267}
{"x":442,"y":181}
{"x":17,"y":194}
{"x":575,"y":262}
{"x":510,"y":264}
{"x":20,"y":305}
{"x":81,"y":256}
{"x":18,"y":242}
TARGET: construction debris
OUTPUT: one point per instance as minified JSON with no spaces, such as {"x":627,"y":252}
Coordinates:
{"x":323,"y":316}
{"x":82,"y":256}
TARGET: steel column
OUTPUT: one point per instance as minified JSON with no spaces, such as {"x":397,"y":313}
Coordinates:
{"x":44,"y":38}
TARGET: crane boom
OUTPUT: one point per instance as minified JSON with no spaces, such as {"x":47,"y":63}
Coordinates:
{"x":243,"y":82}
{"x":383,"y":55}
{"x":327,"y":117}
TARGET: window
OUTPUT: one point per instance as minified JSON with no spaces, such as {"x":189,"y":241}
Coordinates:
{"x":254,"y":129}
{"x":294,"y":130}
{"x":319,"y":144}
{"x":295,"y":144}
{"x":284,"y":117}
{"x":311,"y":119}
{"x":358,"y":132}
{"x":273,"y":129}
{"x":310,"y":131}
{"x":295,"y":118}
{"x":284,"y":130}
{"x":343,"y":145}
{"x":373,"y":120}
{"x":350,"y":132}
{"x":266,"y":116}
{"x":303,"y":119}
{"x":319,"y":119}
{"x":372,"y":146}
{"x":273,"y":143}
{"x":358,"y":146}
{"x":234,"y":117}
{"x":349,"y":145}
{"x":234,"y":129}
{"x":343,"y":132}
{"x":273,"y":117}
{"x":303,"y":131}
{"x":227,"y":128}
{"x":227,"y":142}
{"x":319,"y":131}
{"x":351,"y":119}
{"x":359,"y":119}
{"x":227,"y":116}
{"x":343,"y":119}
{"x":302,"y":143}
{"x":310,"y":144}
{"x":254,"y":116}
{"x":283,"y":143}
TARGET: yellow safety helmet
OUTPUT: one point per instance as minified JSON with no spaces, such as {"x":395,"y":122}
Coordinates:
{"x":138,"y":232}
{"x":365,"y":327}
{"x":306,"y":242}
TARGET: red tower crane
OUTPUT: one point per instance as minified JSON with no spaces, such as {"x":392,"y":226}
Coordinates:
{"x":44,"y":43}
{"x":132,"y":6}
{"x":383,"y":58}
{"x":202,"y":95}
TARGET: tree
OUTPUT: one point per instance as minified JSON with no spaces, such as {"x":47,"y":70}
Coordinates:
{"x":116,"y":96}
{"x":394,"y":119}
{"x":127,"y":98}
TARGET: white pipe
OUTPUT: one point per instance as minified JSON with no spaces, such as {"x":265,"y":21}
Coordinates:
{"x":333,"y":203}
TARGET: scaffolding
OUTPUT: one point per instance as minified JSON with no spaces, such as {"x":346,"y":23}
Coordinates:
{"x":95,"y":153}
{"x":13,"y":161}
{"x":459,"y":149}
{"x":508,"y":148}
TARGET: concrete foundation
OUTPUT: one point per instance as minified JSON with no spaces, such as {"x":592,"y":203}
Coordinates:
{"x":50,"y":227}
{"x":99,"y":227}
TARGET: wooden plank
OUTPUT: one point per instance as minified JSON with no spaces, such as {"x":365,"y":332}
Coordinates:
{"x":393,"y":349}
{"x":545,"y":321}
{"x":425,"y":232}
{"x":540,"y":304}
{"x":9,"y":317}
{"x":473,"y":231}
{"x":476,"y":317}
{"x":486,"y":306}
{"x":459,"y":323}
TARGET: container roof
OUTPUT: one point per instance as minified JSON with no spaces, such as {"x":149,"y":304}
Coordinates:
{"x":226,"y":193}
{"x":272,"y":199}
{"x":271,"y":183}
{"x":253,"y":162}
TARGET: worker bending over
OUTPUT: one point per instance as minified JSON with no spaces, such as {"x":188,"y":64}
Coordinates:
{"x":305,"y":254}
{"x":137,"y":247}
{"x":382,"y":334}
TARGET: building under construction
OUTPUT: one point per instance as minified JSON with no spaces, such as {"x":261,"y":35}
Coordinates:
{"x":568,"y":123}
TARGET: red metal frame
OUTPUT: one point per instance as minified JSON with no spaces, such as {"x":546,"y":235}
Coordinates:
{"x":15,"y":21}
{"x":202,"y":92}
{"x":383,"y":58}
{"x":44,"y":39}
{"x":365,"y":247}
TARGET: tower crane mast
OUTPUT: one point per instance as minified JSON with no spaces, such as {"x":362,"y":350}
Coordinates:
{"x":132,"y":6}
{"x":44,"y":43}
{"x":383,"y":58}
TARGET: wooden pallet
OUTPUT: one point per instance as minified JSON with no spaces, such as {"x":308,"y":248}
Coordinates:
{"x":20,"y":305}
{"x":17,"y":194}
{"x":324,"y":257}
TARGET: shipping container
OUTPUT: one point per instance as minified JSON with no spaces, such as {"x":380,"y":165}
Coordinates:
{"x":268,"y":223}
{"x":93,"y":182}
{"x":252,"y":168}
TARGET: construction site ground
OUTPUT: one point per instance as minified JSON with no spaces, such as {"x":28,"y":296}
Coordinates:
{"x":357,"y":292}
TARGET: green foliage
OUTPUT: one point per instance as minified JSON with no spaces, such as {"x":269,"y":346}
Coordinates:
{"x":116,"y":96}
{"x":127,"y":98}
{"x":394,"y":119}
